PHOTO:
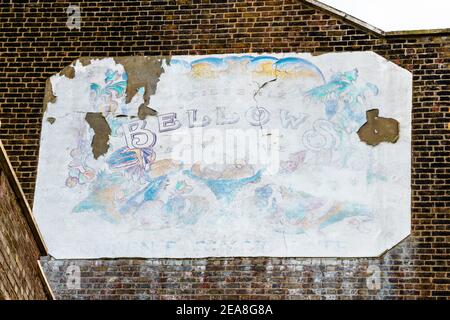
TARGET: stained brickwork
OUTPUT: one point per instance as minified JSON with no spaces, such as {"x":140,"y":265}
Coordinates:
{"x":36,"y":43}
{"x":400,"y":274}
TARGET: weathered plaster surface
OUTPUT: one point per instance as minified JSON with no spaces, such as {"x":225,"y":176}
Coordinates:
{"x":48,"y":95}
{"x":111,"y":185}
{"x":68,"y":72}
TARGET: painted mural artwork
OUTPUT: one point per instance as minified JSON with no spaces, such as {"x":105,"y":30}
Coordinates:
{"x":248,"y":155}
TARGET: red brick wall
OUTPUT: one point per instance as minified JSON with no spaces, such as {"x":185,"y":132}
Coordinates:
{"x":20,"y":275}
{"x":35,"y":43}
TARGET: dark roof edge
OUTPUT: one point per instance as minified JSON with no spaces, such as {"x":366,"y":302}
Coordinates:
{"x":372,"y":29}
{"x":418,"y":33}
{"x":5,"y":164}
{"x":345,"y":16}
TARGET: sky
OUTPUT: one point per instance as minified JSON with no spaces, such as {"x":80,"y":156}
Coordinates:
{"x":396,"y":15}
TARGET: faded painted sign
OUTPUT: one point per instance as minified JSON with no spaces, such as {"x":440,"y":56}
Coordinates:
{"x":226,"y":155}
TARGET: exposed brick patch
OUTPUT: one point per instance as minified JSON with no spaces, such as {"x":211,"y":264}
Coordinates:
{"x":36,"y":43}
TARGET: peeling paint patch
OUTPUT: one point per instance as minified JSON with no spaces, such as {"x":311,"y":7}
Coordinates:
{"x":48,"y":95}
{"x":68,"y":72}
{"x":378,"y":129}
{"x":102,"y":131}
{"x":144,"y":111}
{"x":142,"y":72}
{"x":85,"y":61}
{"x":318,"y":53}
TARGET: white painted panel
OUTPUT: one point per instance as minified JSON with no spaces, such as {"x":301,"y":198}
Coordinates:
{"x":317,"y":191}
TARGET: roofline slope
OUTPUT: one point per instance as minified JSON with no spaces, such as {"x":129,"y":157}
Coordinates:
{"x":6,"y":167}
{"x":5,"y":164}
{"x":370,"y":28}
